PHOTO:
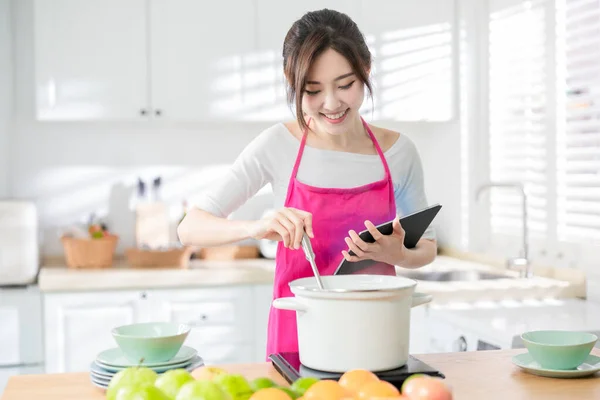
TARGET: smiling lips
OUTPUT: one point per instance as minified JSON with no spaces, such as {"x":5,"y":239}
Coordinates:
{"x":336,"y":118}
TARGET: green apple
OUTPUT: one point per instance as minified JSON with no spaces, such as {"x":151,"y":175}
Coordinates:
{"x":207,"y":372}
{"x":292,"y":393}
{"x":301,"y":385}
{"x":144,"y":391}
{"x":262,"y":383}
{"x":234,"y":384}
{"x":202,"y":390}
{"x":130,"y":377}
{"x":171,"y":381}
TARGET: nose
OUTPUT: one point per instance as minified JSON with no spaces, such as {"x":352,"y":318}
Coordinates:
{"x":332,"y":103}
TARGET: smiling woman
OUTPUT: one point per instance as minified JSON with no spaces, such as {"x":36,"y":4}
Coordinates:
{"x":332,"y":173}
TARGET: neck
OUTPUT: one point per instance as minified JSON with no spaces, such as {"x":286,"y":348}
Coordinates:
{"x":347,"y":141}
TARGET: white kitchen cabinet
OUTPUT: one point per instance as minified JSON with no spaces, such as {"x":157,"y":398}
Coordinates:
{"x":228,"y":322}
{"x":192,"y":61}
{"x":77,"y":325}
{"x":221,"y":320}
{"x":163,"y":59}
{"x":201,"y":59}
{"x":263,"y":297}
{"x":91,"y":59}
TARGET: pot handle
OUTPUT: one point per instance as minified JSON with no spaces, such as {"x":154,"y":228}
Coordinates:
{"x":420,"y":298}
{"x":289,"y":303}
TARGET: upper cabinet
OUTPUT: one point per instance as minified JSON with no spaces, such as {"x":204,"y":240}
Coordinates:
{"x":200,"y":58}
{"x":192,"y":61}
{"x":90,"y":59}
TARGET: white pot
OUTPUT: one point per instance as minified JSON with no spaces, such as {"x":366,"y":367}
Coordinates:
{"x":357,"y":321}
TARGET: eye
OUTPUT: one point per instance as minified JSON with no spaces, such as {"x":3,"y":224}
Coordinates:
{"x":346,"y":87}
{"x":308,"y":92}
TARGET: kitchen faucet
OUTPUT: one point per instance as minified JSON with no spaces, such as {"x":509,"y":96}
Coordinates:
{"x":521,"y":263}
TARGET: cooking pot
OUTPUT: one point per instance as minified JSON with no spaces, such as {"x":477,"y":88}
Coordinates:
{"x":356,"y":321}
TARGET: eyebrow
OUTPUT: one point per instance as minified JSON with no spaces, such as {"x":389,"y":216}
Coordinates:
{"x":336,"y":79}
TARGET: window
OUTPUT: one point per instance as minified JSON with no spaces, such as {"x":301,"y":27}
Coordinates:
{"x":544,"y":119}
{"x":578,"y":139}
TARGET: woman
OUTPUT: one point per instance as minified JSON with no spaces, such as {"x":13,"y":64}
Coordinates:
{"x":332,"y":174}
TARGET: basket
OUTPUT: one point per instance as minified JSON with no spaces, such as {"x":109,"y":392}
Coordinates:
{"x":172,"y":258}
{"x":228,"y":253}
{"x":90,"y":253}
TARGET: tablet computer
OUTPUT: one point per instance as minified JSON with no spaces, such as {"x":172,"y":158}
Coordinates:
{"x":414,"y":226}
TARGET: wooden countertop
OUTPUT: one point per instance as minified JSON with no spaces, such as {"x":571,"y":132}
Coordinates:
{"x":472,"y":375}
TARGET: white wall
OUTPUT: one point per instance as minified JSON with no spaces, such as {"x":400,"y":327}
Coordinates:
{"x":5,"y":94}
{"x":72,"y":169}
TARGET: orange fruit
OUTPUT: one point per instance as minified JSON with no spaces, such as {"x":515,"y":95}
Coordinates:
{"x":354,"y":379}
{"x":380,"y":388}
{"x":271,"y":393}
{"x":326,"y":390}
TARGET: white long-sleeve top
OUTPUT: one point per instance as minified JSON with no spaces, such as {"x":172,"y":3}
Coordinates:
{"x":270,"y":157}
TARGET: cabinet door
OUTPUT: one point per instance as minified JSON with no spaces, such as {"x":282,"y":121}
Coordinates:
{"x":91,"y":59}
{"x":263,"y":296}
{"x":221,"y":320}
{"x":202,"y":59}
{"x":78,"y":325}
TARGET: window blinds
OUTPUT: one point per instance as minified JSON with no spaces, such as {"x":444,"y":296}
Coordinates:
{"x":578,"y":133}
{"x":518,"y":113}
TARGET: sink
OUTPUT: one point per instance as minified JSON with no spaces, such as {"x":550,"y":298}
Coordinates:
{"x":449,"y":276}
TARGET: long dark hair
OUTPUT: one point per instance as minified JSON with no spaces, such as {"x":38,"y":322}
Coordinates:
{"x":310,"y":36}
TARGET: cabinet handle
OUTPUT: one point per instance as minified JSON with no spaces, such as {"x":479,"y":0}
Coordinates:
{"x":143,"y":111}
{"x":143,"y":295}
{"x":158,"y":112}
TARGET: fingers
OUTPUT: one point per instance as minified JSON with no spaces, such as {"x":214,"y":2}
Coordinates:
{"x":398,"y":230}
{"x":282,"y":231}
{"x":308,"y":224}
{"x":306,"y":218}
{"x":356,"y":244}
{"x":350,"y":258}
{"x":297,"y":229}
{"x":373,"y":230}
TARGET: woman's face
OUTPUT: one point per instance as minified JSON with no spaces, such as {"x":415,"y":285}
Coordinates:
{"x":333,"y":94}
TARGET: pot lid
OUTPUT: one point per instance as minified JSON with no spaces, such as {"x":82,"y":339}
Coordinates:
{"x":354,"y":283}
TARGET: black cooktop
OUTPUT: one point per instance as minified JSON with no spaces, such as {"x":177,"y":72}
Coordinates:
{"x":290,"y":367}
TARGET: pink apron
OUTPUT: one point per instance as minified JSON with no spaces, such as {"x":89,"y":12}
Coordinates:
{"x":335,"y":211}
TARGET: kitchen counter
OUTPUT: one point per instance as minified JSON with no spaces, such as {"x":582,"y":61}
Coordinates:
{"x":502,"y":322}
{"x":547,"y":284}
{"x":474,"y":375}
{"x":56,"y":277}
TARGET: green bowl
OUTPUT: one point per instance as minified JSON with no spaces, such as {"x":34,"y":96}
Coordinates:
{"x":151,"y":341}
{"x":556,"y":349}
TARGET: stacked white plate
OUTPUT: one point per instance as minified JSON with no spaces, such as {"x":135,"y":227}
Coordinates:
{"x":110,"y":362}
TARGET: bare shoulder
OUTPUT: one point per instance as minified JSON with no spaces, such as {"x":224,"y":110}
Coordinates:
{"x":385,"y":137}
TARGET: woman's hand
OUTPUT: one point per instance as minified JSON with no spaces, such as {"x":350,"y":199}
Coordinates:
{"x":286,"y":224}
{"x":386,"y":248}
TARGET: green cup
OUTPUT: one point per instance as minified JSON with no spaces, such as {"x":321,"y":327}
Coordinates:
{"x":153,"y":342}
{"x":558,"y":349}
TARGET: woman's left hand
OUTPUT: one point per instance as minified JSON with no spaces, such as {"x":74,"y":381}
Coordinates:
{"x":386,"y":248}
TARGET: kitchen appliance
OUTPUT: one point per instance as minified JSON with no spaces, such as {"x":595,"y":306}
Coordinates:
{"x":21,"y":340}
{"x":357,"y":321}
{"x":290,"y":367}
{"x":19,"y":253}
